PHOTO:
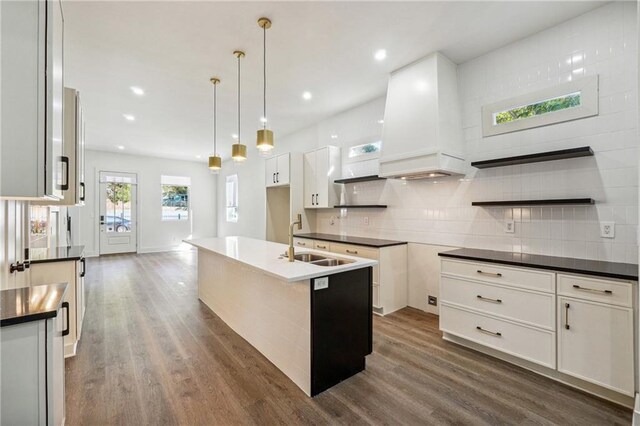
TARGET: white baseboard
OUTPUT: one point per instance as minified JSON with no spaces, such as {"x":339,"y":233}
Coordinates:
{"x":163,"y":249}
{"x":636,"y":411}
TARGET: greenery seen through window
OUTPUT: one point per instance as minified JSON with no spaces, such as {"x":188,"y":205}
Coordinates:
{"x":538,"y":108}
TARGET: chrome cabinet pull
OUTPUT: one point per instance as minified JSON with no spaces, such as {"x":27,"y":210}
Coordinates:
{"x":493,"y":333}
{"x":351,"y":251}
{"x":495,"y":274}
{"x":277,"y":177}
{"x":566,"y":316}
{"x":595,"y":290}
{"x":486,"y":299}
{"x":301,"y":244}
{"x":322,"y":247}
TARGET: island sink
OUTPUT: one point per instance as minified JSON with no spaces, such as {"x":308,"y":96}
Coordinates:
{"x":316,"y":259}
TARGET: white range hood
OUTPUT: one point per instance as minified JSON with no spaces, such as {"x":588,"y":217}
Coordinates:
{"x":422,"y":134}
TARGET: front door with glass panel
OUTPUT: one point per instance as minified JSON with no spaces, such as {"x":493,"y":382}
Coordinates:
{"x":118,"y":212}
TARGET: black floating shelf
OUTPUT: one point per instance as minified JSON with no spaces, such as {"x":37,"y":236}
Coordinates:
{"x":362,"y":206}
{"x":359,"y":179}
{"x":552,"y":202}
{"x":584,"y":151}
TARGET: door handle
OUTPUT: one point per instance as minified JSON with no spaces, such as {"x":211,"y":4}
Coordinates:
{"x":84,"y":267}
{"x":493,"y":333}
{"x":351,"y":251}
{"x":486,"y":299}
{"x":101,"y":220}
{"x":277,"y":177}
{"x":65,"y":162}
{"x":65,"y":332}
{"x":83,"y":190}
{"x":495,"y":274}
{"x":312,"y":202}
{"x":595,"y":290}
{"x":566,"y":316}
{"x":274,"y":178}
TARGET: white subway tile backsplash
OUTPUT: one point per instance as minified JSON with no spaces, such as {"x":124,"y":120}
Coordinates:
{"x":603,"y":42}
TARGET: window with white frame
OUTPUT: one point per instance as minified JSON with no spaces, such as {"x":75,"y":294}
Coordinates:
{"x":175,"y":197}
{"x":563,"y":102}
{"x":231,"y":192}
{"x":365,"y":151}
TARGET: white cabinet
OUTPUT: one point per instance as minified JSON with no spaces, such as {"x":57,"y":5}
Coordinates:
{"x":71,"y":272}
{"x":32,"y":164}
{"x":579,"y":327}
{"x":595,"y":343}
{"x":321,"y":166}
{"x":73,"y":150}
{"x":277,"y":170}
{"x":32,"y":372}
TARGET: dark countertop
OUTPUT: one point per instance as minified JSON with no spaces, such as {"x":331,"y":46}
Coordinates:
{"x":20,"y":305}
{"x":625,"y":271}
{"x":55,"y":254}
{"x":359,"y":241}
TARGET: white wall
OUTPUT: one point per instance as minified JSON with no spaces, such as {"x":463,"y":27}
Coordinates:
{"x":435,"y":214}
{"x":154,"y":234}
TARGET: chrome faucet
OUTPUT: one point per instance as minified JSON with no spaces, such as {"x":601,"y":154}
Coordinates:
{"x":298,"y":222}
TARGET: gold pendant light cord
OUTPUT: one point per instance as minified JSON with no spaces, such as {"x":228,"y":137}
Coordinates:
{"x":215,"y":115}
{"x":264,"y":75}
{"x":239,"y":99}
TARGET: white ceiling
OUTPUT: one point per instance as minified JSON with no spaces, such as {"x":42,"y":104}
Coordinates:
{"x":170,"y":49}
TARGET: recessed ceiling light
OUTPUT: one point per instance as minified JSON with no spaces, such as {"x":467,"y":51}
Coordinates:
{"x":263,"y":119}
{"x":129,"y":117}
{"x":234,"y":136}
{"x":120,"y":147}
{"x":380,"y":121}
{"x":306,"y":96}
{"x":380,"y":55}
{"x":137,"y":90}
{"x":334,"y":136}
{"x":198,"y":156}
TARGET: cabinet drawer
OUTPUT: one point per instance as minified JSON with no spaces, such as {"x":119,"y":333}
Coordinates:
{"x":525,"y":342}
{"x":321,"y":245}
{"x":302,"y":242}
{"x":491,"y":272}
{"x":598,"y":290}
{"x":537,"y":309}
{"x":352,"y":250}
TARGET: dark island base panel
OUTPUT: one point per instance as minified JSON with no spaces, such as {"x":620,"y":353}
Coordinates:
{"x":341,"y":327}
{"x":598,"y":268}
{"x":359,"y":241}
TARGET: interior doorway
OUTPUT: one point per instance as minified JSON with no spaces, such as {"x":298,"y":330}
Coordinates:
{"x":118,"y":212}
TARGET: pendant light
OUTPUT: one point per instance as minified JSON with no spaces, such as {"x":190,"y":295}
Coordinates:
{"x":215,"y":162}
{"x":238,"y":150}
{"x":265,"y":137}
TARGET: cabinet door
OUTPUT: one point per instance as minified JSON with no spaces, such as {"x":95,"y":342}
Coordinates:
{"x":322,"y":179}
{"x":271,"y":168}
{"x":596,"y":343}
{"x":55,"y":98}
{"x":310,"y":180}
{"x":282,"y":172}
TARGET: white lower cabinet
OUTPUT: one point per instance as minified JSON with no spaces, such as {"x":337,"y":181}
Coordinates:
{"x":595,"y":343}
{"x":70,"y":272}
{"x":578,"y":327}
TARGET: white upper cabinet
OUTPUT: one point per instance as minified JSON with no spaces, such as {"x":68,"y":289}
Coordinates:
{"x":321,"y":167}
{"x":31,"y":44}
{"x":277,"y":170}
{"x":73,"y":151}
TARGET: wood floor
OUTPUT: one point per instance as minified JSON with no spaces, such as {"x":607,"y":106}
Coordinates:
{"x":152,"y":354}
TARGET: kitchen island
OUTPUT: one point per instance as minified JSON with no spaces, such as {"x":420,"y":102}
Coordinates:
{"x":311,"y":318}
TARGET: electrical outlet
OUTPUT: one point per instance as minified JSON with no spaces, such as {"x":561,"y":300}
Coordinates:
{"x":432,"y":300}
{"x":607,"y":229}
{"x":366,"y":221}
{"x":509,"y":226}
